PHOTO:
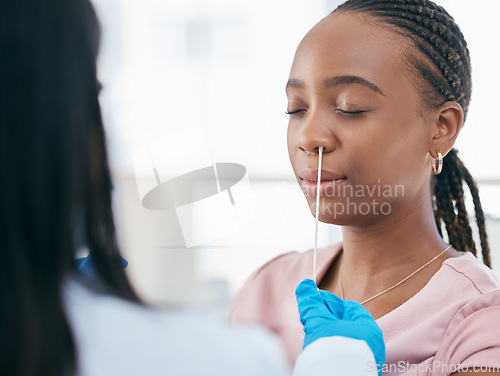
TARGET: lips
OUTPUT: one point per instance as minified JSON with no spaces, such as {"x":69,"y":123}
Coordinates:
{"x":312,"y":175}
{"x":330,"y":181}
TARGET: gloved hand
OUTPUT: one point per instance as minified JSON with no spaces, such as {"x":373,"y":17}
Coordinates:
{"x":85,"y":266}
{"x":325,"y":315}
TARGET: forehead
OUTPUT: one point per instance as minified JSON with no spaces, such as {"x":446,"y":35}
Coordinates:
{"x":350,"y":44}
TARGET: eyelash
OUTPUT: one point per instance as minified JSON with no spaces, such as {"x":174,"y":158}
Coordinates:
{"x":342,"y":112}
{"x":294,"y":112}
{"x":339,"y":111}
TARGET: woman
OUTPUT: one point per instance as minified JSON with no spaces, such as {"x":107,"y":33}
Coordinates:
{"x":384,"y":87}
{"x":56,"y":197}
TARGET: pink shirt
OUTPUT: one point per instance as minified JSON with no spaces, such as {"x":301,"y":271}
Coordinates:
{"x":453,"y":321}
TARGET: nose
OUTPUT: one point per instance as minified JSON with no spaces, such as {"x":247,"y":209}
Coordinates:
{"x":316,"y":131}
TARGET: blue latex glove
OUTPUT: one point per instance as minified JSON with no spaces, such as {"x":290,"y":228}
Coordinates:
{"x":325,"y":315}
{"x":86,"y":267}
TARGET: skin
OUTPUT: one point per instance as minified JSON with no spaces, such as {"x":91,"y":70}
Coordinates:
{"x":390,"y":140}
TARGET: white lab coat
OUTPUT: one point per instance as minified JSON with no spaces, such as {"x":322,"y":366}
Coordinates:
{"x":116,"y":337}
{"x":336,"y":356}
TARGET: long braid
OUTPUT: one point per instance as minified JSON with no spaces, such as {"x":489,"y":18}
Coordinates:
{"x":446,"y":76}
{"x":451,"y":204}
{"x":483,"y":237}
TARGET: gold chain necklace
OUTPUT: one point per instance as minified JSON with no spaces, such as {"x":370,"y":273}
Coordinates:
{"x":397,"y":284}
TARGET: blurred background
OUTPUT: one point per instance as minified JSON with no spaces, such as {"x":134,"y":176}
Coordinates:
{"x":220,"y":67}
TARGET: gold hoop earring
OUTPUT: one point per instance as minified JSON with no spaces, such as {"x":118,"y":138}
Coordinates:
{"x":436,"y":170}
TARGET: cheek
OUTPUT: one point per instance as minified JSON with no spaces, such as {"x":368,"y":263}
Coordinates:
{"x":407,"y":150}
{"x":394,"y":154}
{"x":291,"y":137}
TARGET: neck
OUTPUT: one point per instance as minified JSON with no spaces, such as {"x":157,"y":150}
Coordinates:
{"x":379,"y":255}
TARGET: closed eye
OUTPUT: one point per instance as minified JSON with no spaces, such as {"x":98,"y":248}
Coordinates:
{"x":294,"y":112}
{"x":344,"y":112}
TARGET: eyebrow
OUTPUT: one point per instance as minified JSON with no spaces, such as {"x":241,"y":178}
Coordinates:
{"x":293,"y":82}
{"x":337,"y":81}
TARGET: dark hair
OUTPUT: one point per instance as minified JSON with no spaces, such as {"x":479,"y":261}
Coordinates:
{"x":443,"y":63}
{"x":54,"y":170}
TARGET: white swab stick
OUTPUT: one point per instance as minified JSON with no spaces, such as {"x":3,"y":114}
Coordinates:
{"x":318,"y":185}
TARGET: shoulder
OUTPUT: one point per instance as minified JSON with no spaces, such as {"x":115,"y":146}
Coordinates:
{"x":471,"y":288}
{"x":276,"y":280}
{"x":471,"y":274}
{"x":279,"y":266}
{"x":293,"y":265}
{"x":477,"y":283}
{"x":288,"y":269}
{"x":260,"y":291}
{"x":472,"y":336}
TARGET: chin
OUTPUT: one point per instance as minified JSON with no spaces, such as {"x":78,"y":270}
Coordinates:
{"x":342,"y":213}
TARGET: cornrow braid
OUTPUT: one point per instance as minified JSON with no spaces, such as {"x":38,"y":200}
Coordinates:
{"x":443,"y":64}
{"x":434,"y":32}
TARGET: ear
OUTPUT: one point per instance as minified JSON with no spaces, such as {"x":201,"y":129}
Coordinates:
{"x":447,"y":122}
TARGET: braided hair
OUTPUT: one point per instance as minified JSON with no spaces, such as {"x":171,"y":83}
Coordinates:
{"x":441,"y":59}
